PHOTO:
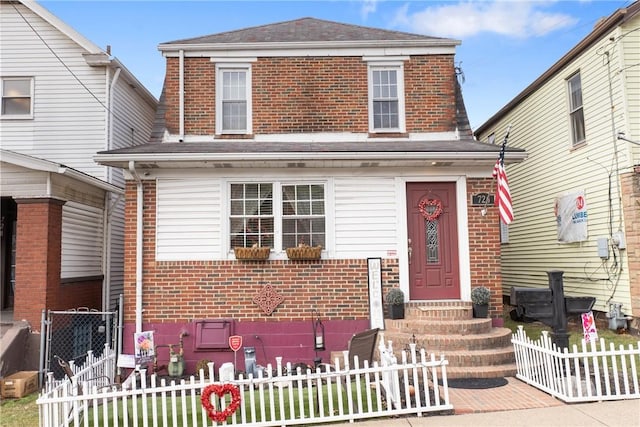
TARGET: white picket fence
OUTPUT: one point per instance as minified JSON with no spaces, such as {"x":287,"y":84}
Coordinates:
{"x":275,"y":399}
{"x":585,"y":375}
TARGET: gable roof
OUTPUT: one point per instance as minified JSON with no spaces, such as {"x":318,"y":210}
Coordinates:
{"x":601,"y":29}
{"x":95,"y":56}
{"x":310,"y":31}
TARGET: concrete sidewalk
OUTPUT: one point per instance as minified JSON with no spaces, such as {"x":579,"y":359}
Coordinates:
{"x":619,"y":413}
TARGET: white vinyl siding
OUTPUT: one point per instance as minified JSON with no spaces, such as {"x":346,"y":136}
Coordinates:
{"x":365,"y":216}
{"x":82,"y":240}
{"x":188,"y":219}
{"x":540,"y":125}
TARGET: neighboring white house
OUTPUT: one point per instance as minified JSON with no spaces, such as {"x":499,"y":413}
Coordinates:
{"x":577,"y":197}
{"x":63,"y":100}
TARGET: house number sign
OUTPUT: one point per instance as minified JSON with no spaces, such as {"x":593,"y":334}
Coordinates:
{"x":482,"y":199}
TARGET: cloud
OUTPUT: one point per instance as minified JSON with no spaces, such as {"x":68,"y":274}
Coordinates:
{"x":517,"y":19}
{"x":368,"y":7}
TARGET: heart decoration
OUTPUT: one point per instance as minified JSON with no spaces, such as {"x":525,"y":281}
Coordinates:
{"x":220,"y":390}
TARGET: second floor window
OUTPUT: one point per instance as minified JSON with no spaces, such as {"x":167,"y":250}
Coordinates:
{"x":576,"y":112}
{"x":386,"y":99}
{"x":233,"y":100}
{"x":17,"y":97}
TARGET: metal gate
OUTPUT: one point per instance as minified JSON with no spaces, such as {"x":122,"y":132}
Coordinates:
{"x":70,"y":335}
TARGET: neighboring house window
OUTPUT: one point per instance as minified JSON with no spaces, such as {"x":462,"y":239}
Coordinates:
{"x":386,"y":98}
{"x":300,"y":217}
{"x":233,"y":100}
{"x":252,"y":217}
{"x":576,"y":112}
{"x":491,"y":139}
{"x":17,"y":97}
{"x":504,"y":232}
{"x":303,"y":215}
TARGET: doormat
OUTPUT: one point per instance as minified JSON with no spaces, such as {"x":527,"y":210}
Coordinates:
{"x":475,"y":383}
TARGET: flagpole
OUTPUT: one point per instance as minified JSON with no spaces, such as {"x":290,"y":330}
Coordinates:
{"x":493,"y":181}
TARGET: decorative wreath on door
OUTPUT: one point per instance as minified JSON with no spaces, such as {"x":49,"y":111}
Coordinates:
{"x":430,"y":209}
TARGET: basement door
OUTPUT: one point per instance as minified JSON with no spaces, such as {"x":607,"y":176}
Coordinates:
{"x":432,"y":241}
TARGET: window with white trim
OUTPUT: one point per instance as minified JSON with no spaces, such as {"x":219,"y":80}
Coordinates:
{"x":17,"y":97}
{"x":576,"y":113}
{"x":303,"y":215}
{"x":277,"y":215}
{"x":386,"y":98}
{"x":251,"y":219}
{"x":233,"y":100}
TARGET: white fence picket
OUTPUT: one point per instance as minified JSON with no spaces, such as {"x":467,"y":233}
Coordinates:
{"x":91,"y":398}
{"x":580,"y":375}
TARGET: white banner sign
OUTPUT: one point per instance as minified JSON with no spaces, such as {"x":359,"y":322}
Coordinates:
{"x":376,"y":313}
{"x":571,"y":216}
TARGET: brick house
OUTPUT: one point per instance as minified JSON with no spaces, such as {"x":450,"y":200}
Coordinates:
{"x":351,"y":138}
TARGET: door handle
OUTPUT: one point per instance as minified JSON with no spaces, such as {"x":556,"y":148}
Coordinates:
{"x":409,"y":249}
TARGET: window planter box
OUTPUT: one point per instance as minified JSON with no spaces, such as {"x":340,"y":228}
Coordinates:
{"x":304,"y":252}
{"x":252,"y":254}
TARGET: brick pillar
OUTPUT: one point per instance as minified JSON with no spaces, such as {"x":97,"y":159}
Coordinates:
{"x":38,"y":258}
{"x":631,"y":207}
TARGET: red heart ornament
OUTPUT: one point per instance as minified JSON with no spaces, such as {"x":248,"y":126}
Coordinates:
{"x":220,"y":390}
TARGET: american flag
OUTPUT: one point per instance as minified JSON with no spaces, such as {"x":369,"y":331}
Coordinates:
{"x":503,"y":196}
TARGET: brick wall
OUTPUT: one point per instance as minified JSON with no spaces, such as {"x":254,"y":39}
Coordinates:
{"x":184,"y":290}
{"x":38,"y":255}
{"x":630,"y":189}
{"x":484,"y":245}
{"x":38,"y":265}
{"x":313,"y":94}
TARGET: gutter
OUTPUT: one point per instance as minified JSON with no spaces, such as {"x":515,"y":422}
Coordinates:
{"x":139,"y":199}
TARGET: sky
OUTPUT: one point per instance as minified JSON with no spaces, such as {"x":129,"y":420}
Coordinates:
{"x":505,"y":44}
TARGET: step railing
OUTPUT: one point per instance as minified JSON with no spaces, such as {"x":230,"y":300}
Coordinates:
{"x":592,"y":373}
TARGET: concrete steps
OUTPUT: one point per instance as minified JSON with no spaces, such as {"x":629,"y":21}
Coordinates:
{"x":472,"y":346}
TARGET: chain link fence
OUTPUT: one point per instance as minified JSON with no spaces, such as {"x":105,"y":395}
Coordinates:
{"x":71,"y":334}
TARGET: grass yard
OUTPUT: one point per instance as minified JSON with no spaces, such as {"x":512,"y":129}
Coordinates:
{"x":19,"y":412}
{"x":295,"y":411}
{"x":534,"y":330}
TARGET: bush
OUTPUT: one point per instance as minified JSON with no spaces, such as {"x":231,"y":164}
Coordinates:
{"x":480,"y":295}
{"x":395,"y":297}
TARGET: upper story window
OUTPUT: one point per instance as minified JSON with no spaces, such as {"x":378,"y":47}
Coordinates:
{"x":233,"y":99}
{"x":576,"y":113}
{"x":386,"y":98}
{"x":17,"y":97}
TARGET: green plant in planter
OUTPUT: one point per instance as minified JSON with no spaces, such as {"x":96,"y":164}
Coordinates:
{"x":395,"y":303}
{"x":480,"y":297}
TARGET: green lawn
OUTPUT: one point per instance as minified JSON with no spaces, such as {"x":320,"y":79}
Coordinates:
{"x":246,"y":406}
{"x":534,"y":330}
{"x":19,"y":412}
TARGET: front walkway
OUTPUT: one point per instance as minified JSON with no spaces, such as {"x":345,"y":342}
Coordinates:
{"x":514,"y":395}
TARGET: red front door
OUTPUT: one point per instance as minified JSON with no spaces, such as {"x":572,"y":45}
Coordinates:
{"x":433,"y":241}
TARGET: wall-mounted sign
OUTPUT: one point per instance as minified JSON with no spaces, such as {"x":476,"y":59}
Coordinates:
{"x":571,"y":217}
{"x":376,"y":312}
{"x":483,"y":199}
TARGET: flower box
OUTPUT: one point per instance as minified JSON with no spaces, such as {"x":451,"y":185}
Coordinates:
{"x":252,"y":254}
{"x":304,"y":252}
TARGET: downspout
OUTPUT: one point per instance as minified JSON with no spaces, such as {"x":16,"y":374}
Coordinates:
{"x":181,"y":90}
{"x":106,"y":241}
{"x":139,"y":199}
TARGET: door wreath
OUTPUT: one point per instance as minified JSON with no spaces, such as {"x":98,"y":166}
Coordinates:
{"x":220,"y":390}
{"x":430,"y":209}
